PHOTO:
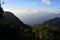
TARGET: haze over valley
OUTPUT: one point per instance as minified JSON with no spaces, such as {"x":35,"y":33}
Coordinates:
{"x":32,"y":17}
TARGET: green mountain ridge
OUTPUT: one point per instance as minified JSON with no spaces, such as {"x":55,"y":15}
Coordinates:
{"x":53,"y":22}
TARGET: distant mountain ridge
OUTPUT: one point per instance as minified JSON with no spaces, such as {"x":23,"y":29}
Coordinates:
{"x":53,"y":22}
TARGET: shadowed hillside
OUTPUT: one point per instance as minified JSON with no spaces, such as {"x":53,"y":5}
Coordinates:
{"x":11,"y":26}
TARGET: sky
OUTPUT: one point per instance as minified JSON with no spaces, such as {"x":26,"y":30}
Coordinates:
{"x":32,"y":11}
{"x":23,"y":5}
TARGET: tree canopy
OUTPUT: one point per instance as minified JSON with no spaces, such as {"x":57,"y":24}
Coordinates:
{"x":47,"y":32}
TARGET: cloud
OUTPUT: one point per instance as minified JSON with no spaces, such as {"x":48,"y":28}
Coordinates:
{"x":34,"y":3}
{"x":46,"y":1}
{"x":54,"y":11}
{"x":30,"y":11}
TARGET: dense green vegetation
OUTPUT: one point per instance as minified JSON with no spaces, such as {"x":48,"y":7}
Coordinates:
{"x":47,"y":32}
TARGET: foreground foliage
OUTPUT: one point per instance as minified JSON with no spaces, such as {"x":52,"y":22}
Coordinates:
{"x":47,"y":32}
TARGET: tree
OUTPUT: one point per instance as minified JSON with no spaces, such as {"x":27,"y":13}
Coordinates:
{"x":47,"y":32}
{"x":1,"y":12}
